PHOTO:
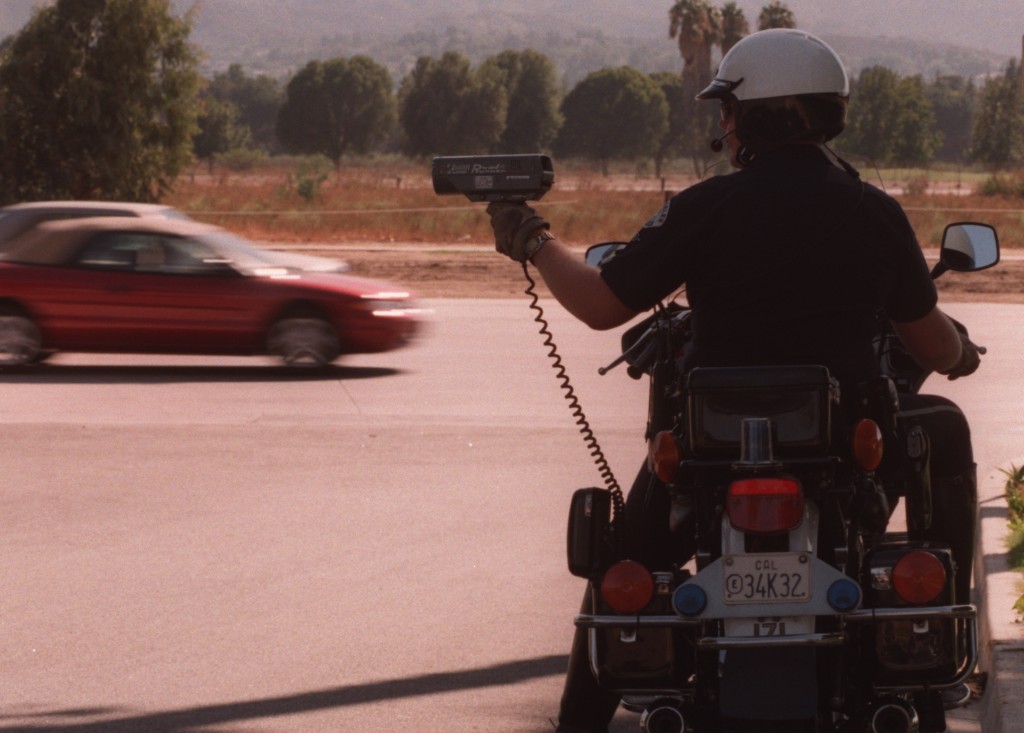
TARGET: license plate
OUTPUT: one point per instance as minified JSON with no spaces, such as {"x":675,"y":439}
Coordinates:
{"x":767,"y":578}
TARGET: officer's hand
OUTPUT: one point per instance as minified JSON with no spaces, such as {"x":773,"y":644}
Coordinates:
{"x":514,"y":225}
{"x":970,"y":355}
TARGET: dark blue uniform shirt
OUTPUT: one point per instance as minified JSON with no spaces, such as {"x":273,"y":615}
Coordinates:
{"x":787,"y":261}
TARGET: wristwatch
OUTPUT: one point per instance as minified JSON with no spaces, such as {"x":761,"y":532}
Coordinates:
{"x":538,"y":240}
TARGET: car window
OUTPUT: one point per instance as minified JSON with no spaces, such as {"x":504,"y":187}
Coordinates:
{"x":121,"y":251}
{"x":189,"y":256}
{"x":149,"y":253}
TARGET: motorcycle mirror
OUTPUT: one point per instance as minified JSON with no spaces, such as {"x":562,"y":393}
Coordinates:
{"x":599,"y":255}
{"x":968,"y":247}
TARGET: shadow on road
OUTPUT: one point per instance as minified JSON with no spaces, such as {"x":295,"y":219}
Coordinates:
{"x":60,"y":374}
{"x":191,"y":720}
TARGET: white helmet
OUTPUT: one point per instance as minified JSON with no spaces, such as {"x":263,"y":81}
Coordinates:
{"x":779,"y":62}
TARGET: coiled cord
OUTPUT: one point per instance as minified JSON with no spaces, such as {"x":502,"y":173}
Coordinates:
{"x":589,"y":438}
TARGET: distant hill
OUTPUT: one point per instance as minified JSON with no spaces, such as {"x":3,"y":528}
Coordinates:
{"x":279,"y":36}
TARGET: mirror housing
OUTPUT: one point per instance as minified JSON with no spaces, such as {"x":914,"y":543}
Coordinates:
{"x":967,"y":247}
{"x":598,"y":255}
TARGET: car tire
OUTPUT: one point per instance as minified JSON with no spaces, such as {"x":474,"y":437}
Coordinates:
{"x":304,"y":342}
{"x":20,"y":340}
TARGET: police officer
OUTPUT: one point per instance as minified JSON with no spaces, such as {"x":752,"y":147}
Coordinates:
{"x":785,"y":261}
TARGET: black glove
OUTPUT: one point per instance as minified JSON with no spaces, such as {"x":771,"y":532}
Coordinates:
{"x":513,"y":225}
{"x":970,"y":355}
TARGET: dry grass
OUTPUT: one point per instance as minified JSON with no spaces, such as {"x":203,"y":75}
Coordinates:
{"x":397,"y":204}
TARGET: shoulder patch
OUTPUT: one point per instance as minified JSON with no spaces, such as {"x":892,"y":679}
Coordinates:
{"x":658,"y":219}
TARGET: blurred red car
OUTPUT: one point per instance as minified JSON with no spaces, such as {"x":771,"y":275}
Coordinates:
{"x":167,"y":286}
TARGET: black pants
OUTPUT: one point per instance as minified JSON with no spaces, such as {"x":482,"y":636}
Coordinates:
{"x":948,"y":432}
{"x":586,"y":708}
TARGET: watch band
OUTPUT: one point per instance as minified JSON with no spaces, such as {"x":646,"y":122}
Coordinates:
{"x":536,"y":242}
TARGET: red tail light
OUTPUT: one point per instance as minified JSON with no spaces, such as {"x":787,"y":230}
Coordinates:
{"x":919,"y":577}
{"x":867,"y":444}
{"x":627,"y":586}
{"x":765,"y":505}
{"x":665,"y":456}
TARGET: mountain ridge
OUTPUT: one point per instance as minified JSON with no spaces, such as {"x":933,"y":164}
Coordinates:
{"x":933,"y":36}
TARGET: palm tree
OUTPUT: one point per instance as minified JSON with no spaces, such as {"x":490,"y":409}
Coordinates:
{"x":698,"y":26}
{"x":776,"y":15}
{"x":734,"y":26}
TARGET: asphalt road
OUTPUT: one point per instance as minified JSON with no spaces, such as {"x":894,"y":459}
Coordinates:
{"x":214,"y":545}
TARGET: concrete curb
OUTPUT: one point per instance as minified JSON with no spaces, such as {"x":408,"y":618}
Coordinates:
{"x":1002,"y":637}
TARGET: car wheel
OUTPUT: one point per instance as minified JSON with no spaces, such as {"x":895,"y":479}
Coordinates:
{"x":304,"y":342}
{"x":19,"y":340}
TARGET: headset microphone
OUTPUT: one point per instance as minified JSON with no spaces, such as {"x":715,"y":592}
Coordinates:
{"x":716,"y":144}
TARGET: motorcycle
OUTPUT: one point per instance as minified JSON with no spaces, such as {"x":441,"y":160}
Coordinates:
{"x":801,"y":609}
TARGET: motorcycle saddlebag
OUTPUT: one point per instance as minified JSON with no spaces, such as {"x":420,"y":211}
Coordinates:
{"x":911,"y":652}
{"x":797,"y":399}
{"x":640,"y":659}
{"x":587,"y":545}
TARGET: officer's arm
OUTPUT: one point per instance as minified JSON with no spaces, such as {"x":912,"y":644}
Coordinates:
{"x":933,"y":341}
{"x":580,"y":287}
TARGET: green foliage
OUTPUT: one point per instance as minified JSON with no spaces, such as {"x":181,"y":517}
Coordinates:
{"x":697,"y":25}
{"x":336,"y":107}
{"x":915,"y":139}
{"x":242,"y":159}
{"x":613,"y":113}
{"x":218,"y":129}
{"x":952,"y":99}
{"x":776,"y":14}
{"x":997,"y":140}
{"x":872,"y":107}
{"x":735,"y":26}
{"x":1015,"y":493}
{"x":98,"y":100}
{"x":531,"y":87}
{"x":1015,"y":503}
{"x":1002,"y":185}
{"x":256,"y":99}
{"x":673,"y":142}
{"x":310,"y":176}
{"x":890,"y":119}
{"x":447,"y":107}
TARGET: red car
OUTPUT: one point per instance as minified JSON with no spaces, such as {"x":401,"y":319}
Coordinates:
{"x":165,"y":286}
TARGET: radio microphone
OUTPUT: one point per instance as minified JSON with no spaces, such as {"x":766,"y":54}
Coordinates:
{"x":716,"y":144}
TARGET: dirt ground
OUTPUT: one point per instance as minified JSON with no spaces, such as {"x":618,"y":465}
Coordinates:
{"x":477,"y":273}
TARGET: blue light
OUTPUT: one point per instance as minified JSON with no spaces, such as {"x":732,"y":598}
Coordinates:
{"x":844,"y":595}
{"x":689,"y":600}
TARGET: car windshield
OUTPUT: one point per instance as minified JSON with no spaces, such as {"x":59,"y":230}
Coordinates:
{"x":242,"y":253}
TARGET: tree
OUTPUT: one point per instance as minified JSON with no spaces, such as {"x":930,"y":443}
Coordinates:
{"x":776,"y":14}
{"x":869,"y":129}
{"x":257,"y":99}
{"x":530,"y":82}
{"x":337,"y":107}
{"x":613,"y":114}
{"x":673,"y":142}
{"x":445,"y":107}
{"x":914,"y":138}
{"x":891,"y":119}
{"x":952,"y":99}
{"x":98,"y":100}
{"x":698,"y":27}
{"x":734,"y":26}
{"x":219,"y":130}
{"x":997,"y":138}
